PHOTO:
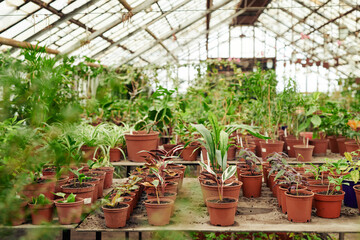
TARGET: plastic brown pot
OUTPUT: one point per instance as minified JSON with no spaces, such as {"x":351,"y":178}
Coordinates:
{"x":328,"y":206}
{"x":170,"y":187}
{"x":96,"y":182}
{"x":49,"y":172}
{"x":89,"y":152}
{"x":231,"y":154}
{"x":303,"y":153}
{"x":334,"y":148}
{"x":258,"y":146}
{"x":290,"y":143}
{"x":116,"y":217}
{"x":69,"y":213}
{"x":251,"y":185}
{"x":100,"y":186}
{"x":211,"y":190}
{"x":60,"y":182}
{"x":341,"y":144}
{"x":299,"y":206}
{"x":281,"y":190}
{"x":221,"y":213}
{"x":169,"y":195}
{"x":159,"y":214}
{"x":85,"y":192}
{"x":270,"y":147}
{"x":108,"y":177}
{"x":168,"y":147}
{"x":140,"y":141}
{"x":320,"y":146}
{"x":41,"y":213}
{"x":351,"y":147}
{"x":130,"y":201}
{"x":46,"y":187}
{"x":115,"y":155}
{"x":18,"y":217}
{"x":190,"y":153}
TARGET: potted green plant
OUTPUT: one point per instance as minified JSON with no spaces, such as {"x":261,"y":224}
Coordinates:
{"x":69,"y":209}
{"x":252,"y":180}
{"x":41,"y":209}
{"x":159,"y":210}
{"x":81,"y":188}
{"x":328,"y":203}
{"x":116,"y":212}
{"x":221,"y":208}
{"x":112,"y":141}
{"x":298,"y":202}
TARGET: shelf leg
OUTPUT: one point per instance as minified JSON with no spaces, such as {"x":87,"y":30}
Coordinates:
{"x":66,"y":234}
{"x":98,"y":236}
{"x":341,"y":236}
{"x":128,"y":171}
{"x":140,"y":235}
{"x":126,"y":235}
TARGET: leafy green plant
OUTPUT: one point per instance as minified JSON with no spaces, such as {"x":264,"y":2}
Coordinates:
{"x":40,"y":200}
{"x":70,"y":199}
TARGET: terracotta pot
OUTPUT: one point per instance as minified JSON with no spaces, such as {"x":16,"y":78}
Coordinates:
{"x":221,"y":214}
{"x":231,"y":154}
{"x":270,"y":147}
{"x":328,"y":206}
{"x":69,"y":213}
{"x":251,"y":185}
{"x":116,"y":217}
{"x":303,"y":153}
{"x":89,"y":152}
{"x":86,"y":192}
{"x":41,"y":213}
{"x":357,"y":194}
{"x":266,"y":168}
{"x":351,"y":147}
{"x":181,"y":169}
{"x":18,"y":217}
{"x":341,"y":144}
{"x":258,"y":146}
{"x":320,"y":146}
{"x":49,"y":172}
{"x":318,"y":185}
{"x":271,"y":179}
{"x":281,"y":190}
{"x":60,"y":182}
{"x":100,"y":187}
{"x":168,"y":147}
{"x":290,"y":142}
{"x":108,"y":177}
{"x":190,"y":153}
{"x":170,"y":187}
{"x":115,"y":155}
{"x":299,"y":207}
{"x":212,"y":190}
{"x":46,"y":187}
{"x":159,"y":214}
{"x":131,"y":202}
{"x":96,"y":182}
{"x":169,"y":195}
{"x":140,"y":141}
{"x":334,"y":148}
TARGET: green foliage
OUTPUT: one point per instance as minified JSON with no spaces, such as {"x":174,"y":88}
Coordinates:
{"x":70,"y":199}
{"x":40,"y":200}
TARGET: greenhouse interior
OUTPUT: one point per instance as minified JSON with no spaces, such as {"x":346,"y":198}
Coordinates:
{"x":164,"y":119}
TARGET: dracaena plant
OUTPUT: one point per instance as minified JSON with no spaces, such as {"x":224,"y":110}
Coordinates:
{"x":220,"y":180}
{"x":216,"y":141}
{"x":250,"y":159}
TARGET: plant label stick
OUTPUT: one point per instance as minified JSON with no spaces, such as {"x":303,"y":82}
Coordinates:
{"x":285,"y":134}
{"x":241,"y":142}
